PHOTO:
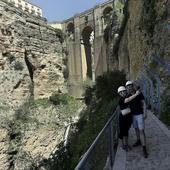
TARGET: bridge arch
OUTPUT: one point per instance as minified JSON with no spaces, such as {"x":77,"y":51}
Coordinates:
{"x":107,"y":13}
{"x":70,"y":30}
{"x":70,"y":27}
{"x":87,"y":52}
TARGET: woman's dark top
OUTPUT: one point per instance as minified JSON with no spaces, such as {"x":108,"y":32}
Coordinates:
{"x":125,"y":121}
{"x":122,"y":104}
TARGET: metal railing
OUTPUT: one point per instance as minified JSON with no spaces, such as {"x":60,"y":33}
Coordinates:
{"x":153,"y":94}
{"x":102,"y":152}
{"x":154,"y":100}
{"x":146,"y":81}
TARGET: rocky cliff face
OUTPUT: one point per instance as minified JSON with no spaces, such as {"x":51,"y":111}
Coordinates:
{"x":31,"y":67}
{"x":31,"y":56}
{"x":145,"y":32}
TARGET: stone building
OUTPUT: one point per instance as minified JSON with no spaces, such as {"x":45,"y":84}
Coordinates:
{"x":27,"y":7}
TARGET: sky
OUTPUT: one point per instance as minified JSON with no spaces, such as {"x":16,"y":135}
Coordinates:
{"x":59,"y":10}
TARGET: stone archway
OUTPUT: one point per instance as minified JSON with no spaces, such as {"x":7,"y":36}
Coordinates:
{"x":87,"y":52}
{"x":107,"y":14}
{"x":70,"y":30}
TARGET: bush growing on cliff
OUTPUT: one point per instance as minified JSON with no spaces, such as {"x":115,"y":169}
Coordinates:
{"x":58,"y":98}
{"x":149,"y":16}
{"x":101,"y":99}
{"x":18,"y":66}
{"x":9,"y":56}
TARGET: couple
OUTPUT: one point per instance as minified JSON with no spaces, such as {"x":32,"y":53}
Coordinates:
{"x":133,"y":109}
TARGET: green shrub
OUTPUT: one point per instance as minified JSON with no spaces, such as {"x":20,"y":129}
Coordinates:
{"x":58,"y":99}
{"x":44,"y":102}
{"x":101,"y":99}
{"x":18,"y":66}
{"x":88,"y":83}
{"x":149,"y":16}
{"x":106,"y":85}
{"x":88,"y":95}
{"x":9,"y":56}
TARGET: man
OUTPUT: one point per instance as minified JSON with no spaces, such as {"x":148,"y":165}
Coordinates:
{"x":138,"y":110}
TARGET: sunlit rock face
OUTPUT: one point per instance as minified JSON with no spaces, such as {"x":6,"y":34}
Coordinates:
{"x":31,"y":57}
{"x":31,"y":67}
{"x":146,"y":32}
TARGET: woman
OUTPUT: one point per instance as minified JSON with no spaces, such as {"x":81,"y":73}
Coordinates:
{"x":125,"y":117}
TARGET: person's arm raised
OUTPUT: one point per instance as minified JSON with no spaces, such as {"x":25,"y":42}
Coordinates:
{"x":132,"y":97}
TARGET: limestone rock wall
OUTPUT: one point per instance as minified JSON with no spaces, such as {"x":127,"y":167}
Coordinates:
{"x":31,"y":56}
{"x":145,"y":32}
{"x":31,"y":67}
{"x":4,"y":144}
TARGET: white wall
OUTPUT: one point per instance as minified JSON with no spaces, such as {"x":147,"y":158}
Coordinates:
{"x":56,"y":25}
{"x":27,"y":6}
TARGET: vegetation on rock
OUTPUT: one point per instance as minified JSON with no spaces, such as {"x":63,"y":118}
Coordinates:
{"x":32,"y":116}
{"x":101,"y":99}
{"x":18,"y":66}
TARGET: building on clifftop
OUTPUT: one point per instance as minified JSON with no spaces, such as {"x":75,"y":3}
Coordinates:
{"x":27,"y":7}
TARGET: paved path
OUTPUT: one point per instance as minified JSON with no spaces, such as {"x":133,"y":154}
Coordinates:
{"x":158,"y":144}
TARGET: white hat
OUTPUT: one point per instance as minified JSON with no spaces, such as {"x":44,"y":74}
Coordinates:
{"x":129,"y":83}
{"x":121,"y":88}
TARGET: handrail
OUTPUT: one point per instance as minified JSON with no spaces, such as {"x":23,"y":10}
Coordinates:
{"x":158,"y":86}
{"x":151,"y":89}
{"x":89,"y":151}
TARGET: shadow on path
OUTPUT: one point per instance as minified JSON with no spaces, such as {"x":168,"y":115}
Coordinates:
{"x":158,"y":145}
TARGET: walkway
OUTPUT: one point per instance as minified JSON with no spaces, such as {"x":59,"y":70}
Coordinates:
{"x":158,"y":144}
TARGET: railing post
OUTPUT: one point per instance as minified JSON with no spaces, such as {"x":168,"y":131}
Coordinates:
{"x":150,"y":90}
{"x":111,"y":143}
{"x":157,"y":78}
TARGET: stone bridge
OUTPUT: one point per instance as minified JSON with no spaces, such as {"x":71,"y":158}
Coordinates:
{"x":86,"y":44}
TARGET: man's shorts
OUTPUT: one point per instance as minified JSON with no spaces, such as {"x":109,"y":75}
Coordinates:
{"x":138,"y":122}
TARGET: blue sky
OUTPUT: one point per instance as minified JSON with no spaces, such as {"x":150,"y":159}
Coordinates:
{"x":58,"y":10}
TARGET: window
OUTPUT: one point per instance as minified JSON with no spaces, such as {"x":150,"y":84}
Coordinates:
{"x":38,"y":13}
{"x":86,"y":19}
{"x":26,"y":9}
{"x":32,"y":11}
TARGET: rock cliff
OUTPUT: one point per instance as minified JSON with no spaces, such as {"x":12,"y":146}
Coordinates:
{"x":32,"y":63}
{"x":31,"y":56}
{"x":145,"y":32}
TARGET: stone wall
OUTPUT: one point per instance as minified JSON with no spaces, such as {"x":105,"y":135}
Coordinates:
{"x":144,"y":33}
{"x":31,"y":56}
{"x":31,"y":67}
